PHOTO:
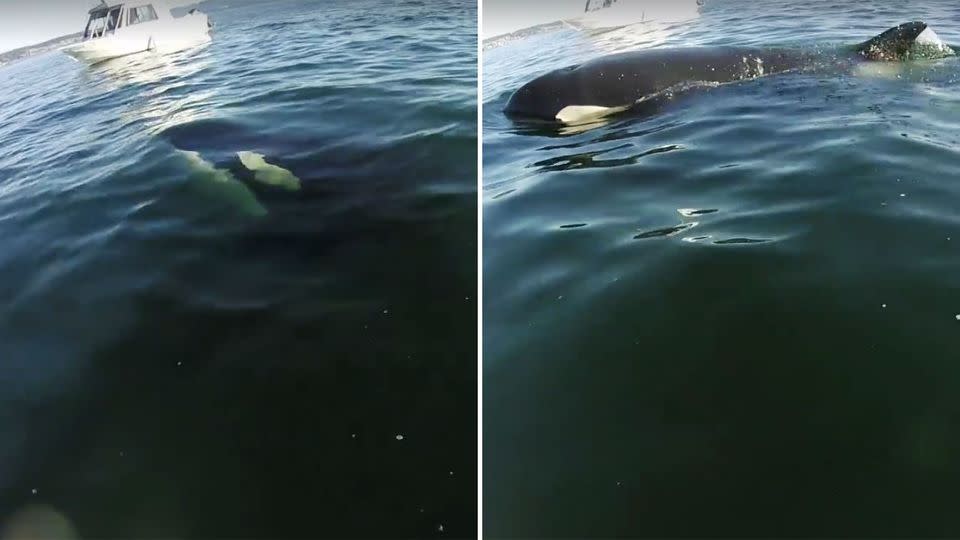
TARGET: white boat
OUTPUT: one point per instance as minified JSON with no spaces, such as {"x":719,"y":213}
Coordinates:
{"x":138,"y":26}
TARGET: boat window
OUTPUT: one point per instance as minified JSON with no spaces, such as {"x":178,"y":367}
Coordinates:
{"x":141,"y":14}
{"x":113,"y":19}
{"x":96,"y":24}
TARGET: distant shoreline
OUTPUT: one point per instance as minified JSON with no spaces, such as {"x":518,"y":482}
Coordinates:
{"x":23,"y":53}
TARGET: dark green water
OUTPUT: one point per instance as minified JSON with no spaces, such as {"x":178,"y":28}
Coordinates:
{"x":783,"y":362}
{"x":173,"y":364}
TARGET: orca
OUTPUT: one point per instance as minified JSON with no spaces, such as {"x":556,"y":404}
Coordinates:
{"x":268,"y":173}
{"x":222,"y":184}
{"x":628,"y":81}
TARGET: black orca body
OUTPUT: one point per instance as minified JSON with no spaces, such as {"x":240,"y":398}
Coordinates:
{"x":623,"y":81}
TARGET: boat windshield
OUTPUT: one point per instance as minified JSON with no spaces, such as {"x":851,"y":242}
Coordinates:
{"x":594,"y":5}
{"x":101,"y":22}
{"x":96,"y":24}
{"x":113,"y":20}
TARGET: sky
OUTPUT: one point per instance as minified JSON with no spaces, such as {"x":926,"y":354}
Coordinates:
{"x":28,"y":22}
{"x":502,"y":16}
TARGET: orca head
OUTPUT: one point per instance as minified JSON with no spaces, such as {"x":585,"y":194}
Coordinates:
{"x":912,"y":40}
{"x":541,"y":98}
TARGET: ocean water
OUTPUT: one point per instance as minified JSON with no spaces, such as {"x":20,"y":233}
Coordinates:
{"x":186,"y":351}
{"x":737,"y":317}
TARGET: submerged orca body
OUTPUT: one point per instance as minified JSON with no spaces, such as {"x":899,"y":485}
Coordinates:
{"x":623,"y":81}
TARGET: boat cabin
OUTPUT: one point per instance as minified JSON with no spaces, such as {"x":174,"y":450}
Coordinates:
{"x":106,"y":19}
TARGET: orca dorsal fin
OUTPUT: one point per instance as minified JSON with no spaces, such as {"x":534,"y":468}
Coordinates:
{"x":894,"y":44}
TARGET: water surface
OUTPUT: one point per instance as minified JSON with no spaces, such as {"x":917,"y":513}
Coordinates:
{"x":738,"y":317}
{"x":183,"y":356}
